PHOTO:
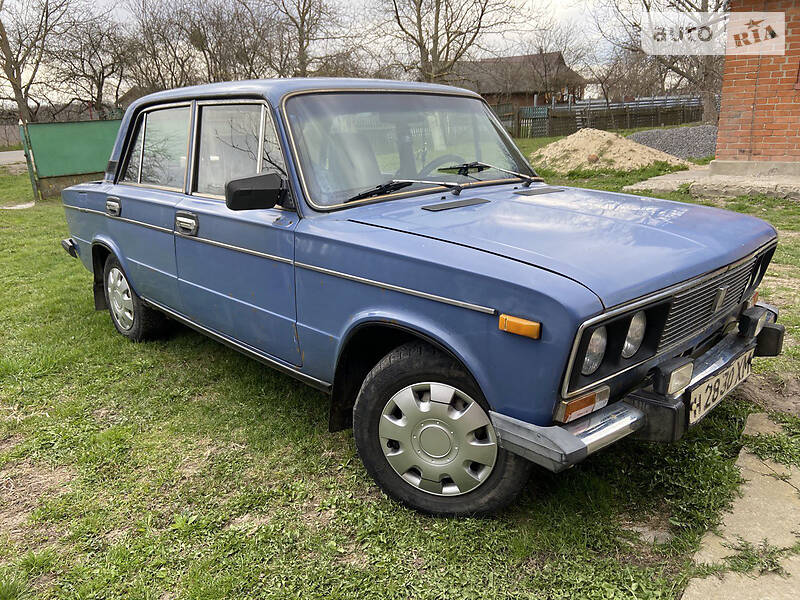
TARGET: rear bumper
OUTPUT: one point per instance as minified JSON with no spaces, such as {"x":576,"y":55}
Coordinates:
{"x":70,"y":247}
{"x":648,"y":415}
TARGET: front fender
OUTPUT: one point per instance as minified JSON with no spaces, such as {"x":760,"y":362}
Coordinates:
{"x":419,"y":325}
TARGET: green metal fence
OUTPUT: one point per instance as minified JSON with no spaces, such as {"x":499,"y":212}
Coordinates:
{"x":67,"y":152}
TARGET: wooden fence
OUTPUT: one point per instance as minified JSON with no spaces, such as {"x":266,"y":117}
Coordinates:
{"x":548,"y":121}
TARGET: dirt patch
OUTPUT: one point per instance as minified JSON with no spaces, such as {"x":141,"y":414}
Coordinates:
{"x":353,"y":556}
{"x":22,"y":486}
{"x":782,"y":396}
{"x":314,"y":516}
{"x":16,"y":168}
{"x":248,"y":523}
{"x":196,"y":459}
{"x":592,"y":149}
{"x":8,"y":443}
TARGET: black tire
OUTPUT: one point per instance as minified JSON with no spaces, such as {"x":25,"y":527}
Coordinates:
{"x":145,"y":323}
{"x":404,"y":366}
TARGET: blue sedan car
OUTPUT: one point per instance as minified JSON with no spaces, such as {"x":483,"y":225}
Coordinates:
{"x":387,"y":243}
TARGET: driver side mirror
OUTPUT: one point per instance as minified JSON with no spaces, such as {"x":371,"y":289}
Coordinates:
{"x":261,"y":191}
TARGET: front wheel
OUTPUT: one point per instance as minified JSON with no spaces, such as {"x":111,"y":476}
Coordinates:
{"x":423,"y":431}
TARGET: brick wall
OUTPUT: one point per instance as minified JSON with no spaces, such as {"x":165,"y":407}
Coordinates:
{"x":760,"y":115}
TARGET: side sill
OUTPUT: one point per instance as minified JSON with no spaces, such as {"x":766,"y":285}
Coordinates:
{"x":285,"y":368}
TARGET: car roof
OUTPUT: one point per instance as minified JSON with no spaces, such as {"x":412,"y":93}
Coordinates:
{"x":275,"y":89}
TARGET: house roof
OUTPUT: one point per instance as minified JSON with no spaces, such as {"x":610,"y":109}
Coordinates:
{"x":525,"y":73}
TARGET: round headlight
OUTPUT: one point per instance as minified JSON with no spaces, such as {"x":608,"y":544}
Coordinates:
{"x":636,"y":330}
{"x":595,"y":351}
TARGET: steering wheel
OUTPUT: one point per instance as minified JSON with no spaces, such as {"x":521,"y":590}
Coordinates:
{"x":441,"y":161}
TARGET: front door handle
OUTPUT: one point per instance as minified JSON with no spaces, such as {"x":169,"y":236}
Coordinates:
{"x":186,"y":223}
{"x":113,"y":206}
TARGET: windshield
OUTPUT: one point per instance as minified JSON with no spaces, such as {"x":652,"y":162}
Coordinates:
{"x":348,"y":143}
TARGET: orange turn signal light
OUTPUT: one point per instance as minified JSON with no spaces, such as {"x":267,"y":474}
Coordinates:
{"x":531,"y":329}
{"x":567,"y":411}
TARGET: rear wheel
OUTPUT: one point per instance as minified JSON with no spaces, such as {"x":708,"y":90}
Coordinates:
{"x":130,"y":316}
{"x":423,"y":431}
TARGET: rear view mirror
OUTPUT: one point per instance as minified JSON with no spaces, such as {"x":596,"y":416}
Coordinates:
{"x":261,"y":191}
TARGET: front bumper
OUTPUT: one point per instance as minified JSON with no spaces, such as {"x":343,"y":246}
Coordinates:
{"x":648,"y":415}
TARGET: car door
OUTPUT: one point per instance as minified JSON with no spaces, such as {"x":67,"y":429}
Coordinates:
{"x":235,"y":269}
{"x":142,"y":203}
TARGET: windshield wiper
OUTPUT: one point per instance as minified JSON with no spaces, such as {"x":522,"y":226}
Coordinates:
{"x":465,"y":168}
{"x":398,"y":184}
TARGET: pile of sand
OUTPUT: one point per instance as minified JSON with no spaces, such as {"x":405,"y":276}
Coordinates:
{"x":592,"y":149}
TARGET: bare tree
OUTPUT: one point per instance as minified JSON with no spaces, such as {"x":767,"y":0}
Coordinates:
{"x":700,"y":73}
{"x":606,"y":71}
{"x":27,"y":27}
{"x":86,"y":64}
{"x":158,"y":57}
{"x":234,"y":38}
{"x":308,"y":29}
{"x":558,"y":49}
{"x":438,"y":33}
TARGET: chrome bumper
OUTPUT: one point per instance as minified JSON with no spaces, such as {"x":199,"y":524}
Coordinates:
{"x":560,"y":446}
{"x":70,"y":247}
{"x":649,"y":415}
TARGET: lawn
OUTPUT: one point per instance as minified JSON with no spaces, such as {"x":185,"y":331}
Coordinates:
{"x":181,"y":469}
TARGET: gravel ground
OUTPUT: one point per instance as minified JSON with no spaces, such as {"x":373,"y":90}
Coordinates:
{"x":684,"y":142}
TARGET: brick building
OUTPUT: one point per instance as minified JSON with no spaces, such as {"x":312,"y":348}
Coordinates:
{"x":759,"y":127}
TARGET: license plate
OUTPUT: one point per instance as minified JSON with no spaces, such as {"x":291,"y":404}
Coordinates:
{"x":711,"y":392}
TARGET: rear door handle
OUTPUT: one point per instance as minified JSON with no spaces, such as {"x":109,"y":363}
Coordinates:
{"x":113,"y":206}
{"x":186,"y":223}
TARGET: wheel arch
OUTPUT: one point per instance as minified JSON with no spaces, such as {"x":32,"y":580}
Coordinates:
{"x":102,"y":248}
{"x":363,"y":346}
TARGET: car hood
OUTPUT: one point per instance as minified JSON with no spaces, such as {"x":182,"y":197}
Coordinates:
{"x":619,"y":246}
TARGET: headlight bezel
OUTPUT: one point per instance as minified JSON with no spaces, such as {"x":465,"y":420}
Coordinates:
{"x":617,"y":327}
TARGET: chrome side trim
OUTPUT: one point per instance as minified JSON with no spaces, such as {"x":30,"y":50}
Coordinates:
{"x":280,"y":259}
{"x":134,"y":222}
{"x":86,"y":210}
{"x":244,"y":348}
{"x":397,"y":288}
{"x":637,"y":303}
{"x":116,"y":218}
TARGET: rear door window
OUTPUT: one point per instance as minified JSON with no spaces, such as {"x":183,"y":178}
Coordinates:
{"x":166,"y":147}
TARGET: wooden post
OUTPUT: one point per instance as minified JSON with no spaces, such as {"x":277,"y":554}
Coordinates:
{"x":26,"y":147}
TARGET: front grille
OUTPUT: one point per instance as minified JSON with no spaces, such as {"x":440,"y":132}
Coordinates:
{"x":693,"y":309}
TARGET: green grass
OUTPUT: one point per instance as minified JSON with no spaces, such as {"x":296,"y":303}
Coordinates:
{"x":11,"y":147}
{"x":14,"y":189}
{"x":181,"y":469}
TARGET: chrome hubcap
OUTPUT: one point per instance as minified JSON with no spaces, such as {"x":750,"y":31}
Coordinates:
{"x":119,"y":297}
{"x":438,"y":439}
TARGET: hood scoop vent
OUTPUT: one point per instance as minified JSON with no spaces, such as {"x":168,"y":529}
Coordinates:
{"x":539,"y":190}
{"x":454,"y":204}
